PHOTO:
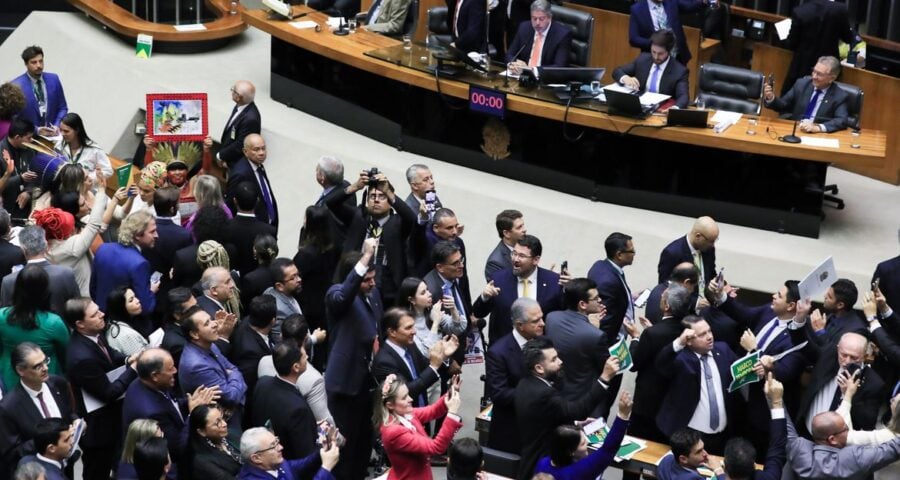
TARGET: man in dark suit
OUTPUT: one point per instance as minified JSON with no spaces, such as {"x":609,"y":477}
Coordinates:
{"x":817,"y":26}
{"x":609,"y":276}
{"x":740,"y":454}
{"x":251,"y":338}
{"x":539,"y":406}
{"x":10,"y":255}
{"x":151,"y":397}
{"x":88,"y":361}
{"x":443,"y":226}
{"x":540,"y":43}
{"x":581,"y":345}
{"x":449,"y":275}
{"x":504,"y":368}
{"x":353,"y":308}
{"x":839,"y":318}
{"x":251,"y":169}
{"x":45,"y":101}
{"x":245,"y":227}
{"x":121,"y":263}
{"x":62,"y":284}
{"x":466,"y":20}
{"x":218,"y":290}
{"x":330,"y":176}
{"x":687,"y":455}
{"x":887,"y":274}
{"x":180,"y":299}
{"x":53,"y":442}
{"x":651,"y":384}
{"x":650,"y":16}
{"x":657,"y":71}
{"x":172,"y":236}
{"x":378,"y":220}
{"x":22,"y":185}
{"x":684,"y":274}
{"x":243,"y":121}
{"x":277,"y":401}
{"x":20,"y":411}
{"x":700,"y":373}
{"x":400,"y":356}
{"x":421,"y":181}
{"x":815,"y":101}
{"x":510,"y":228}
{"x":524,"y":279}
{"x":697,"y":247}
{"x":210,"y":223}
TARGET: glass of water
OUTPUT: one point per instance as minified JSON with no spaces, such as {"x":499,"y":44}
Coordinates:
{"x":352,"y":22}
{"x":407,"y":41}
{"x":700,"y":103}
{"x":595,"y":88}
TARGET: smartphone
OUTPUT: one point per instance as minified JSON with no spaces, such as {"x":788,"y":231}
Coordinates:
{"x":875,"y":283}
{"x":445,"y":292}
{"x":155,"y":277}
{"x":852,"y":368}
{"x":642,"y":298}
{"x":430,"y":202}
{"x":564,"y":268}
{"x":720,"y":277}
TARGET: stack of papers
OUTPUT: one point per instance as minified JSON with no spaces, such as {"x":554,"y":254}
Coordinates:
{"x":725,"y":116}
{"x":304,"y":24}
{"x":627,"y":449}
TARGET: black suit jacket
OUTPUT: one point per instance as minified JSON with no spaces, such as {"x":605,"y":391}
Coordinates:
{"x":504,"y":368}
{"x":338,"y":227}
{"x":674,"y":79}
{"x":280,"y":403}
{"x":208,"y":463}
{"x":557,"y":45}
{"x":832,"y":112}
{"x":613,"y":293}
{"x":240,"y":172}
{"x":470,"y":25}
{"x":651,"y":384}
{"x":19,"y":417}
{"x":539,"y":409}
{"x":816,"y":27}
{"x":247,"y":347}
{"x":256,"y":282}
{"x":888,"y":275}
{"x":232,"y":139}
{"x":242,"y":231}
{"x":10,"y":256}
{"x":678,"y":252}
{"x":87,"y":366}
{"x":387,"y":361}
{"x":172,"y":238}
{"x":185,"y":271}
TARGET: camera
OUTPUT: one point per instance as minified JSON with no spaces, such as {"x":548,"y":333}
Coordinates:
{"x":371,"y":174}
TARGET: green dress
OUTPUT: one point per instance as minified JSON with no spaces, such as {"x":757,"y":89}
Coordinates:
{"x":51,"y":335}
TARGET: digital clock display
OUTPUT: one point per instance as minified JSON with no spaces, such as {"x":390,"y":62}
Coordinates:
{"x":487,"y":101}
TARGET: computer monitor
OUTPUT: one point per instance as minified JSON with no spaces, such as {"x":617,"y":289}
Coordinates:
{"x":454,"y":54}
{"x":882,"y":61}
{"x":626,"y":104}
{"x":564,"y":75}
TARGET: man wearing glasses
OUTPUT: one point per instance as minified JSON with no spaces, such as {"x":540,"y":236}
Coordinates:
{"x":261,"y":454}
{"x":243,"y":121}
{"x":819,"y":104}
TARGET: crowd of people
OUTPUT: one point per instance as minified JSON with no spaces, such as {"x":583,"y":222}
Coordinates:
{"x":155,"y":331}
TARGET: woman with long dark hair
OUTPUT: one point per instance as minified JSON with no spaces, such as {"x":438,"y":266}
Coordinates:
{"x":29,"y":319}
{"x":213,"y":456}
{"x":78,"y":147}
{"x":125,"y":326}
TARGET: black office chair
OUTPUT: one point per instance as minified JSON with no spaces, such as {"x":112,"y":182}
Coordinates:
{"x":730,"y":88}
{"x":582,"y":26}
{"x":854,"y":108}
{"x":500,"y":463}
{"x":438,"y":24}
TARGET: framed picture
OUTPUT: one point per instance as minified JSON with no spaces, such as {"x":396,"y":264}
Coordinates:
{"x":177,"y":116}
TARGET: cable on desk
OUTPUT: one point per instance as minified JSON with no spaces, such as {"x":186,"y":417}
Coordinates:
{"x":566,"y":122}
{"x":444,"y":99}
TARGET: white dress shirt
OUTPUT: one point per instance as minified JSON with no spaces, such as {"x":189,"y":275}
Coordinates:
{"x":52,"y":407}
{"x":700,"y":419}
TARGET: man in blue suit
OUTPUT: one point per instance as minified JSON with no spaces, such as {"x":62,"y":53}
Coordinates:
{"x":251,"y":169}
{"x":696,"y":364}
{"x":657,"y":71}
{"x":504,"y":367}
{"x":261,"y":454}
{"x":151,"y":397}
{"x":53,"y":442}
{"x":815,"y":101}
{"x":524,"y":279}
{"x":540,"y":43}
{"x":121,"y":263}
{"x":510,"y":228}
{"x":650,"y":16}
{"x":697,"y":247}
{"x":740,"y":454}
{"x":467,"y":20}
{"x":609,"y":276}
{"x":353,"y":310}
{"x":45,"y":101}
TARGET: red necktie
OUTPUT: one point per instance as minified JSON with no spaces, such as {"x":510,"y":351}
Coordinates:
{"x":536,"y":50}
{"x":44,"y":409}
{"x":103,"y":349}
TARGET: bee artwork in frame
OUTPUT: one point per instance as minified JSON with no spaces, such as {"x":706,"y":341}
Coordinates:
{"x":177,"y":116}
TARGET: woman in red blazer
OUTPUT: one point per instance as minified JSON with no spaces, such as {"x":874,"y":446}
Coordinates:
{"x":405,"y":441}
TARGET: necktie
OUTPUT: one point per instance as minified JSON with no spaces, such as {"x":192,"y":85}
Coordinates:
{"x":536,"y":50}
{"x":662,"y":21}
{"x":375,"y":12}
{"x":836,"y":401}
{"x":698,"y":262}
{"x":654,"y":78}
{"x":44,"y":409}
{"x":525,"y":290}
{"x":101,"y":344}
{"x":812,"y":104}
{"x":711,"y":394}
{"x":412,"y":370}
{"x":231,"y":118}
{"x":457,"y":300}
{"x":761,"y":342}
{"x":39,"y":90}
{"x":267,"y":194}
{"x":629,"y":311}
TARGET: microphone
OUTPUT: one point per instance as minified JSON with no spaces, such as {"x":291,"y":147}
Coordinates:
{"x":342,"y":28}
{"x":506,"y":80}
{"x":792,"y":138}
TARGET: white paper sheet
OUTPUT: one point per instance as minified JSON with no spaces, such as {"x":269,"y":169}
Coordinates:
{"x":192,"y":27}
{"x":304,"y":24}
{"x":725,"y":116}
{"x":650,"y":98}
{"x":818,"y":280}
{"x":820,"y":142}
{"x":91,"y":402}
{"x":783,"y":28}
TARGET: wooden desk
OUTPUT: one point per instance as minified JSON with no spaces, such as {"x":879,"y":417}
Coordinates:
{"x":322,"y":73}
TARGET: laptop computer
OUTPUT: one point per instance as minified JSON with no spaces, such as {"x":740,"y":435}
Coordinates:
{"x":627,"y":104}
{"x":687,"y":118}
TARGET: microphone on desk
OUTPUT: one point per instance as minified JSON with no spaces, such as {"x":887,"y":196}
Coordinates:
{"x":506,"y":80}
{"x":792,"y":138}
{"x":342,"y":28}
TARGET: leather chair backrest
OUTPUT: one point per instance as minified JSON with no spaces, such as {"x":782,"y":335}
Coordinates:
{"x":731,"y":88}
{"x":582,"y":26}
{"x":854,"y":102}
{"x":438,"y":25}
{"x":412,"y":17}
{"x":500,"y":463}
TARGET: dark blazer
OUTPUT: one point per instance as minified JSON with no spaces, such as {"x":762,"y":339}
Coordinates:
{"x":539,"y":409}
{"x":208,"y":305}
{"x":317,"y":269}
{"x":471,"y":25}
{"x":499,"y":259}
{"x":279,"y":402}
{"x":299,"y":469}
{"x":241,"y":171}
{"x":185,"y":271}
{"x":56,"y":100}
{"x":114,"y":265}
{"x":651,"y":384}
{"x":10,"y":256}
{"x":504,"y":368}
{"x":652,"y":311}
{"x":352,"y":328}
{"x":258,"y":281}
{"x":557,"y":45}
{"x":51,"y":470}
{"x":338,"y":227}
{"x":832,"y":113}
{"x":87,"y":366}
{"x":640,"y":25}
{"x":232,"y":140}
{"x":888,"y":275}
{"x":247,"y":347}
{"x":678,"y":252}
{"x":435,"y":285}
{"x":776,"y":456}
{"x":387,"y":361}
{"x":674,"y":79}
{"x":242,"y":231}
{"x":581,"y":347}
{"x":142,"y":401}
{"x":613,"y":293}
{"x":172,"y":238}
{"x":549,"y":296}
{"x":173,"y":341}
{"x":685,"y":372}
{"x":62,"y":286}
{"x":816,"y":28}
{"x":210,"y":463}
{"x":19,"y":417}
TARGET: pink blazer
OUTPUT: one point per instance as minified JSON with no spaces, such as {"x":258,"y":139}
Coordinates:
{"x":409,"y":451}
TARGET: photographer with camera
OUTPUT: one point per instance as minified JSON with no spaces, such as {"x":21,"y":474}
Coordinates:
{"x":382,"y":216}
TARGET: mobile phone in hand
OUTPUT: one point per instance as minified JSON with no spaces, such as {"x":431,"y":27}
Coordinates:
{"x":564,"y":268}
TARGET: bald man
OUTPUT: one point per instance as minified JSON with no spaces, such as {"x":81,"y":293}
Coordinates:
{"x":251,"y":169}
{"x":697,"y":247}
{"x":829,"y":457}
{"x":244,"y":120}
{"x":823,"y":394}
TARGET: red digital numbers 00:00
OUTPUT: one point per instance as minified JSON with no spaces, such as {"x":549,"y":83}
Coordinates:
{"x":482,"y":99}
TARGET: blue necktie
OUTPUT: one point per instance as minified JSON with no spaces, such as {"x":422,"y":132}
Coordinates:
{"x":762,"y":341}
{"x":653,"y":87}
{"x":711,"y":393}
{"x":812,"y":104}
{"x":266,"y":193}
{"x":412,"y":369}
{"x":457,"y":300}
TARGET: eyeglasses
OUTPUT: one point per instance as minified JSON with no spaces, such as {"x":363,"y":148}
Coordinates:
{"x":595,"y":299}
{"x":457,"y":263}
{"x":520,"y":255}
{"x":45,"y":363}
{"x":817,"y":73}
{"x":275,"y":445}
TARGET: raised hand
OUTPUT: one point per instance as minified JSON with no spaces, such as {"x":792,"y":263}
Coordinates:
{"x":450,"y":345}
{"x":774,"y":391}
{"x":625,"y":404}
{"x":203,"y":396}
{"x":490,"y":290}
{"x":818,"y":320}
{"x":748,"y":341}
{"x":686,"y":337}
{"x":848,"y":383}
{"x":610,"y":368}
